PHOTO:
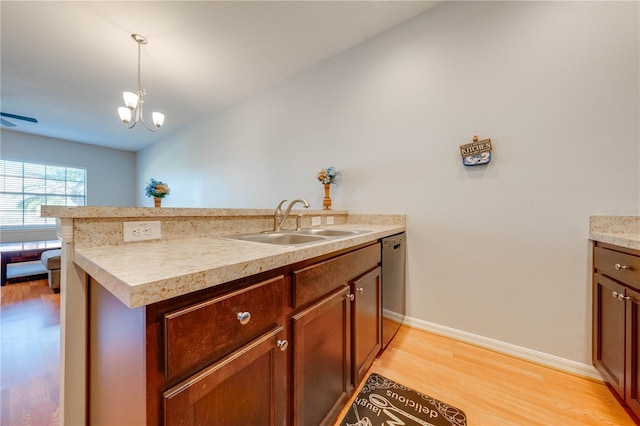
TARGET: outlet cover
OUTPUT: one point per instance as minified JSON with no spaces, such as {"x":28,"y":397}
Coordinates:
{"x":329,"y":220}
{"x":141,"y":231}
{"x":316,"y":221}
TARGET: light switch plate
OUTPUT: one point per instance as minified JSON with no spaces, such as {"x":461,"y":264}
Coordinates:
{"x":329,"y":220}
{"x":141,"y":231}
{"x":316,"y":221}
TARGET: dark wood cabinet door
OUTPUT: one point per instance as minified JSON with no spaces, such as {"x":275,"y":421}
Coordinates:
{"x":632,"y":372}
{"x":321,"y":338}
{"x":367,"y":322}
{"x":609,"y":331}
{"x":245,"y":388}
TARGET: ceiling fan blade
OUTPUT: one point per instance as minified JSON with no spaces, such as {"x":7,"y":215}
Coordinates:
{"x":18,"y":117}
{"x":7,"y":123}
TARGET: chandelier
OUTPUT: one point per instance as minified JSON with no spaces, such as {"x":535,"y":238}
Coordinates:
{"x":131,"y":113}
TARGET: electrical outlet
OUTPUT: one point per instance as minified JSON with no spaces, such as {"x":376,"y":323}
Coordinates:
{"x":140,"y":231}
{"x":329,"y":220}
{"x":316,"y":221}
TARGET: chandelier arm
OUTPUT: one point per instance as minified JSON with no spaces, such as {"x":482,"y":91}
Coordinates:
{"x":148,"y":128}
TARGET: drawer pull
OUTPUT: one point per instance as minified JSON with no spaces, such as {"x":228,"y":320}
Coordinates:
{"x":622,"y":267}
{"x":361,"y":290}
{"x":282,"y":344}
{"x":351,"y":297}
{"x":244,"y":317}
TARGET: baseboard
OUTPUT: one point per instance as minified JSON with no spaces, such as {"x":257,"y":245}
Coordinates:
{"x":542,"y":358}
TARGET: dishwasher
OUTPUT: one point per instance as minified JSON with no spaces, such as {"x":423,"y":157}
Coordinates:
{"x":393,"y":286}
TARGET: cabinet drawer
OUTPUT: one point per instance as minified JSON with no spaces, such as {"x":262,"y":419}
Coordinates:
{"x":620,"y":266}
{"x":201,"y":333}
{"x":315,"y":281}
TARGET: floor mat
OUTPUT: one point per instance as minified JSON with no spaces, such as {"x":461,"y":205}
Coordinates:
{"x":385,"y":402}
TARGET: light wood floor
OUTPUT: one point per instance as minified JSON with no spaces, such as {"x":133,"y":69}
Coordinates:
{"x":491,"y":388}
{"x":495,"y":389}
{"x":29,"y":354}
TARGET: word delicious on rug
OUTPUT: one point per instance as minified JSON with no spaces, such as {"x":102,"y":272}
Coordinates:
{"x":385,"y":402}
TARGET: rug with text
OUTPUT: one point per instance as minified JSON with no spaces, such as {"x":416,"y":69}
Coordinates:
{"x":384,"y":402}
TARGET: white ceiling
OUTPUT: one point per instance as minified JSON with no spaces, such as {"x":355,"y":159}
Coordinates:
{"x":67,"y":63}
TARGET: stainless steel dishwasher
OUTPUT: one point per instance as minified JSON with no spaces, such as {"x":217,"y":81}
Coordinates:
{"x":393,"y":285}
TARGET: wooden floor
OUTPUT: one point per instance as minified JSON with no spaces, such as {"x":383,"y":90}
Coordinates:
{"x":29,"y":354}
{"x":491,"y":388}
{"x":495,"y":389}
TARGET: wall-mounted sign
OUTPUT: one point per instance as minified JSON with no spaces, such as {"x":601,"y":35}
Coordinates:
{"x":476,"y":152}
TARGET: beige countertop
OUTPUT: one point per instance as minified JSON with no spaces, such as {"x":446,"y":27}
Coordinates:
{"x":146,"y":272}
{"x":623,"y":231}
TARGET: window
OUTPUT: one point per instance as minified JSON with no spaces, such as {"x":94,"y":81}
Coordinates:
{"x":24,"y":187}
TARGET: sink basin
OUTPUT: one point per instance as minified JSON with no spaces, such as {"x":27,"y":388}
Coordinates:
{"x":296,"y":238}
{"x":281,"y":238}
{"x":330,"y":232}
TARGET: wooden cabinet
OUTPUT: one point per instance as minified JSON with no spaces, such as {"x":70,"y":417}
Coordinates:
{"x":367,"y":322}
{"x":282,"y":347}
{"x":244,"y":388}
{"x":322,"y":359}
{"x":616,"y":324}
{"x":632,"y":353}
{"x":608,"y":350}
{"x":336,"y":334}
{"x":202,"y":332}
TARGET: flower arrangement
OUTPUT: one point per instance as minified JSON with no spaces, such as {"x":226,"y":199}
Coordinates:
{"x":328,"y":175}
{"x":157,"y":189}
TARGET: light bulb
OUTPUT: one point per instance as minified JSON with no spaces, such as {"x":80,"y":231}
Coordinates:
{"x":130,"y":100}
{"x":158,"y":118}
{"x":125,"y":114}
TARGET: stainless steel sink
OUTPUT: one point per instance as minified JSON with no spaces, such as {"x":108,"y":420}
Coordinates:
{"x":280,"y":238}
{"x":297,"y":237}
{"x":329,"y":232}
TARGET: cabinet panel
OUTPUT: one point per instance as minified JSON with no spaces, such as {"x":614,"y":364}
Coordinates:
{"x":620,"y":266}
{"x":367,"y":322}
{"x":245,"y":388}
{"x":313,"y":282}
{"x":609,"y":331}
{"x":208,"y":330}
{"x":632,"y":375}
{"x":321,"y":359}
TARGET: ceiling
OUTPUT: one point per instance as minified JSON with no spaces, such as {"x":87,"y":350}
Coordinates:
{"x":67,"y":63}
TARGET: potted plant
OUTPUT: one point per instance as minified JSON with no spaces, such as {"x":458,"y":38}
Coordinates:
{"x":327,"y":177}
{"x":158,"y":190}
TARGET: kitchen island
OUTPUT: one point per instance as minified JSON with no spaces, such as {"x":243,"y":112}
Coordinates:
{"x":192,"y":257}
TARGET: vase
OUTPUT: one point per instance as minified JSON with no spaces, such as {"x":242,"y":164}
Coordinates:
{"x":157,"y":201}
{"x":326,"y":202}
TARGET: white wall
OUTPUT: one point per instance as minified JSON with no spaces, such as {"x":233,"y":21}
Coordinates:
{"x":499,"y":251}
{"x":111,"y":173}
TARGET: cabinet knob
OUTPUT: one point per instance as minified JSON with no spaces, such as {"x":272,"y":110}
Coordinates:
{"x":244,"y":317}
{"x":623,"y":297}
{"x":619,"y":296}
{"x":361,"y":290}
{"x":621,"y":267}
{"x":351,"y":297}
{"x":282,"y":344}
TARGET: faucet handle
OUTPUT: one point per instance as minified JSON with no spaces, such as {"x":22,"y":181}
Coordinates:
{"x":279,"y":208}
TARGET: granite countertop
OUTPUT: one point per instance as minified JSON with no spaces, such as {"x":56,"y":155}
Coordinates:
{"x":623,"y":231}
{"x":146,"y":272}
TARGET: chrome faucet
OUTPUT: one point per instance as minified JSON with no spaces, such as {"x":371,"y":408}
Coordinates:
{"x":279,"y":218}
